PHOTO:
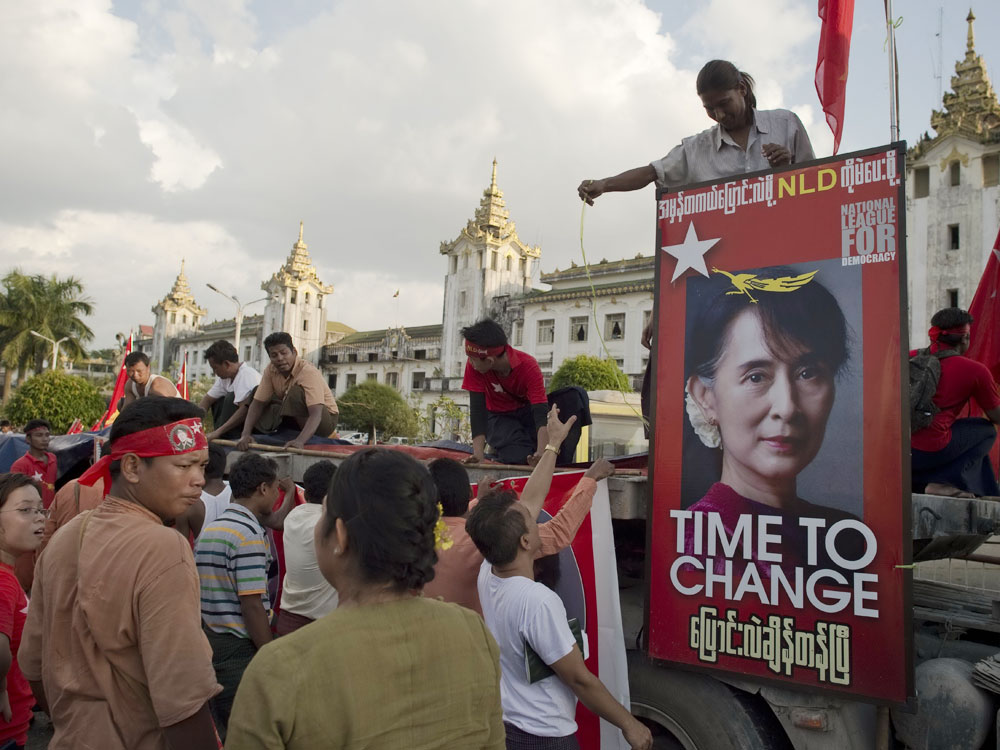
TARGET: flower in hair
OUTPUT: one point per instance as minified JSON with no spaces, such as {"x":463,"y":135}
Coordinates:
{"x":706,"y":431}
{"x":442,"y":537}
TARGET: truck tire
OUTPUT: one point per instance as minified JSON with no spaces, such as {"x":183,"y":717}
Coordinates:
{"x":696,"y":712}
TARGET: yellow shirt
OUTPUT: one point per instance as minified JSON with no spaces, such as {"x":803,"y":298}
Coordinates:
{"x":416,"y":673}
{"x":273,"y":383}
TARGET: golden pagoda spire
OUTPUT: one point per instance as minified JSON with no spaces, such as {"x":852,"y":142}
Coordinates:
{"x":300,"y":231}
{"x":970,"y":44}
{"x":493,"y":180}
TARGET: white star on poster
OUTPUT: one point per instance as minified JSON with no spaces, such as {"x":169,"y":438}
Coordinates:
{"x":498,"y":388}
{"x":690,"y":253}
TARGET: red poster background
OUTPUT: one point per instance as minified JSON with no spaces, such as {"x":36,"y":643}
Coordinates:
{"x":797,"y":228}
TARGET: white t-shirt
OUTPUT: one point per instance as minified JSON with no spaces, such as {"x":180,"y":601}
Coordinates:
{"x":215,"y":504}
{"x":516,"y":610}
{"x":305,"y":591}
{"x":246,"y":380}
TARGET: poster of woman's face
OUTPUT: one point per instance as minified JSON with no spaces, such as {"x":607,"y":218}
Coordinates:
{"x":772,"y":383}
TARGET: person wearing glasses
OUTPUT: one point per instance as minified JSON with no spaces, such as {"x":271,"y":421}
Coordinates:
{"x":22,"y":518}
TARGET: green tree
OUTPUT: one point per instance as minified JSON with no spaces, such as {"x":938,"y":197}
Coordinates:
{"x":57,"y":397}
{"x":51,"y":306}
{"x":590,"y":373}
{"x":376,"y":408}
{"x":442,"y":418}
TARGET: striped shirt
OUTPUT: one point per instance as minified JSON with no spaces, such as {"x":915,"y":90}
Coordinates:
{"x":232,"y":555}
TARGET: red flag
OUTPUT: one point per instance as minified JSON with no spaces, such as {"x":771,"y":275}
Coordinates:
{"x":985,"y":334}
{"x":76,"y":427}
{"x":117,"y":394}
{"x":831,"y":62}
{"x":182,"y":384}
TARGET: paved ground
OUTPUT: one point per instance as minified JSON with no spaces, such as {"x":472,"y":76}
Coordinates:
{"x":40,"y":733}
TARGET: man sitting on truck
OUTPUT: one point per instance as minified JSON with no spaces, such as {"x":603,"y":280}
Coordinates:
{"x":144,"y":382}
{"x":951,"y":455}
{"x":538,"y":710}
{"x":507,"y":400}
{"x":229,"y":397}
{"x":292,"y":393}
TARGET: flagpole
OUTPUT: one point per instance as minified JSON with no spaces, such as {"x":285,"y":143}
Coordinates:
{"x":890,"y":28}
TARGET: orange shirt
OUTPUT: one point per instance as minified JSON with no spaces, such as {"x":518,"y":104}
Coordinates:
{"x":273,"y":383}
{"x":70,"y":501}
{"x":458,"y":566}
{"x":114,"y":631}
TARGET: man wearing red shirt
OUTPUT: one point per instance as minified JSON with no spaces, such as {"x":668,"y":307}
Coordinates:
{"x":508,"y":406}
{"x":38,"y":463}
{"x":951,"y":455}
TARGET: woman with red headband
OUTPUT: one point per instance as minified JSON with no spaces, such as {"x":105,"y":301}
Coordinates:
{"x":951,"y":455}
{"x":113,"y":640}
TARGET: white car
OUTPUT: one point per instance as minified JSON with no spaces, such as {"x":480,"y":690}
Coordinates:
{"x":358,"y":438}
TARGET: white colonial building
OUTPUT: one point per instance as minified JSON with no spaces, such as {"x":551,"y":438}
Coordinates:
{"x":953,"y":195}
{"x":295,"y":304}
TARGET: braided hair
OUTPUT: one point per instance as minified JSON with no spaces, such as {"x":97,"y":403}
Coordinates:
{"x":387,"y":501}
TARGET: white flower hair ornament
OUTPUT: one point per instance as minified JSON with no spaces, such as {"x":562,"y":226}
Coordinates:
{"x":706,"y":430}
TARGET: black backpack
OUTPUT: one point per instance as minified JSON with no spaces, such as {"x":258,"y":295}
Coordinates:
{"x":925,"y":372}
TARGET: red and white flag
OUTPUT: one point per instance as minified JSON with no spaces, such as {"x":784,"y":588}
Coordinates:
{"x":831,"y":62}
{"x":117,"y":394}
{"x":985,"y":334}
{"x":182,"y":384}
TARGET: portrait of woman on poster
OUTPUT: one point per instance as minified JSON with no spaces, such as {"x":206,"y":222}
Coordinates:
{"x":761,"y":375}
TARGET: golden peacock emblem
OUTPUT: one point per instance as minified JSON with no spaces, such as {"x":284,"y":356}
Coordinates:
{"x":743,"y":283}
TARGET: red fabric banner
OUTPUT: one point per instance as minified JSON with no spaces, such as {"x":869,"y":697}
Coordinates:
{"x":182,"y":383}
{"x":117,"y":394}
{"x":985,"y":335}
{"x":832,"y":60}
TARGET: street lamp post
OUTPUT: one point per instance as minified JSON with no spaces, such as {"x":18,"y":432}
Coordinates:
{"x":239,"y":311}
{"x":55,"y":347}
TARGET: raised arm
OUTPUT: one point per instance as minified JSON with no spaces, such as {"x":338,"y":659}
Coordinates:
{"x":559,"y":533}
{"x":540,"y":480}
{"x":631,"y":179}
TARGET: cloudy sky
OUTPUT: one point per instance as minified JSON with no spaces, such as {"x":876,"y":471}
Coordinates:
{"x":137,"y":133}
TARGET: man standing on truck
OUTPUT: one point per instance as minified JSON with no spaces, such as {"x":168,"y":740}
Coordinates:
{"x":507,"y":399}
{"x":951,"y":455}
{"x":143,"y":382}
{"x":292,"y":392}
{"x":522,"y":614}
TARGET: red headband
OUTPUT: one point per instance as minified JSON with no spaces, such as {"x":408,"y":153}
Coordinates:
{"x":474,"y":350}
{"x":936,"y":333}
{"x":172,"y":439}
{"x":36,"y":429}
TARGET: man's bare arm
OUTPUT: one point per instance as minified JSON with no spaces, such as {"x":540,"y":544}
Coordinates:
{"x":207,"y":401}
{"x":236,"y":420}
{"x":309,"y":428}
{"x":255,"y":618}
{"x":253,"y":414}
{"x":630,"y":179}
{"x":196,"y":732}
{"x":276,"y":520}
{"x":163,"y":387}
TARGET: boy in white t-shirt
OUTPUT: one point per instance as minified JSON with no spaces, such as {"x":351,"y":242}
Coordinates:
{"x":229,"y":397}
{"x":519,"y":611}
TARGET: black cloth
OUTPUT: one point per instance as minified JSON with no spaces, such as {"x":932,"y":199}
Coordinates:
{"x":963,"y":463}
{"x":644,"y":397}
{"x":518,"y":739}
{"x":231,"y":656}
{"x":513,"y":435}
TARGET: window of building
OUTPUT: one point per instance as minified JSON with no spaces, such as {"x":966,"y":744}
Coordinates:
{"x":173,"y":317}
{"x":184,"y":319}
{"x":461,"y":300}
{"x":493,"y":261}
{"x":955,"y":173}
{"x":954,"y":241}
{"x":506,"y":265}
{"x":373,"y":356}
{"x":334,"y":358}
{"x":353,"y":357}
{"x":331,"y":380}
{"x":247,"y":353}
{"x":921,"y":182}
{"x":620,"y":363}
{"x":465,"y":260}
{"x":991,"y":170}
{"x":373,"y":377}
{"x":392,"y":379}
{"x":578,"y":328}
{"x":291,"y":297}
{"x":352,"y":380}
{"x":420,"y":354}
{"x":952,"y":298}
{"x":454,"y":263}
{"x":646,"y":315}
{"x":517,"y":333}
{"x":418,"y":381}
{"x":546,"y":331}
{"x":614,"y":326}
{"x":307,"y":298}
{"x":305,"y":325}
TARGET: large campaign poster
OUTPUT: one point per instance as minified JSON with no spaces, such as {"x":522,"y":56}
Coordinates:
{"x":780,"y":471}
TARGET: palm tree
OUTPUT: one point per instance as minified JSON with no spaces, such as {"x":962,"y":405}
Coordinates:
{"x":51,"y":306}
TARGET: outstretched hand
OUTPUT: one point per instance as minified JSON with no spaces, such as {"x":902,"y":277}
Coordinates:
{"x":600,"y":469}
{"x":557,"y":429}
{"x":589,"y":190}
